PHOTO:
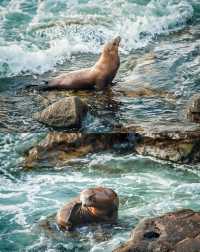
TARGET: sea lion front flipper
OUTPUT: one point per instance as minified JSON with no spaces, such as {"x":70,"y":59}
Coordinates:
{"x":67,"y":214}
{"x":100,"y":84}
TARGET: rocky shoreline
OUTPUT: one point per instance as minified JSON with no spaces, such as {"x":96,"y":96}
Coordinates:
{"x":172,"y":232}
{"x":182,"y":146}
{"x":175,"y":142}
{"x":179,"y":143}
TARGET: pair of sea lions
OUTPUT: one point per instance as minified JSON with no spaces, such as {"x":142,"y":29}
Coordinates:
{"x":93,"y":205}
{"x":98,"y":76}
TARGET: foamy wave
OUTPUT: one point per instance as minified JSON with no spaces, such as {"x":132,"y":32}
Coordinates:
{"x":158,"y":17}
{"x":16,"y":59}
{"x":69,"y":29}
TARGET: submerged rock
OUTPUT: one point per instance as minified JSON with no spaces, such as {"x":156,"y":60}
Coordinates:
{"x":146,"y":92}
{"x":65,"y":113}
{"x":173,"y":232}
{"x":193,"y":112}
{"x":59,"y":148}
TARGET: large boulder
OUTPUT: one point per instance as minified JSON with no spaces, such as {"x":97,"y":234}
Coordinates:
{"x":193,"y":112}
{"x":65,"y":113}
{"x":173,"y":232}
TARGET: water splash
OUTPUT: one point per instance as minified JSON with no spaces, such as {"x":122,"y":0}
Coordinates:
{"x":49,"y":32}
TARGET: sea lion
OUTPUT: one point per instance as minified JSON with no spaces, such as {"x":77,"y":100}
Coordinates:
{"x":99,"y":76}
{"x":93,"y":205}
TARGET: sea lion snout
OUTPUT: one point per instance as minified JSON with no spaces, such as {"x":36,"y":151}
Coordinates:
{"x":87,"y":198}
{"x":117,"y":40}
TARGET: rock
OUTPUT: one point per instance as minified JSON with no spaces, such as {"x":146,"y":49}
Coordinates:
{"x":176,"y":143}
{"x":173,"y":232}
{"x":65,"y":113}
{"x":195,"y":104}
{"x":171,"y":151}
{"x":173,"y":142}
{"x":59,"y":148}
{"x":193,"y":112}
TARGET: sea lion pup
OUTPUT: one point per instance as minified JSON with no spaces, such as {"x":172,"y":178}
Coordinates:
{"x":99,"y":76}
{"x":93,"y":205}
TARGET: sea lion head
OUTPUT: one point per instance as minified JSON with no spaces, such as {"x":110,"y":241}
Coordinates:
{"x":112,"y":46}
{"x":98,"y":197}
{"x":88,"y":197}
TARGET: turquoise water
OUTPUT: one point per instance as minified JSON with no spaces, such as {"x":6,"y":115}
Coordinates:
{"x":45,"y":33}
{"x":146,"y":188}
{"x":159,"y":49}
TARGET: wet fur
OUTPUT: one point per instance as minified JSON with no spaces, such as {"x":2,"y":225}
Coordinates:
{"x":99,"y":76}
{"x":89,"y":208}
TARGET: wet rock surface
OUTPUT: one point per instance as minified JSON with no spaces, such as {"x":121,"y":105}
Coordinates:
{"x":173,"y":232}
{"x":193,"y":112}
{"x":60,"y":148}
{"x":179,"y":144}
{"x":65,"y":113}
{"x":175,"y":142}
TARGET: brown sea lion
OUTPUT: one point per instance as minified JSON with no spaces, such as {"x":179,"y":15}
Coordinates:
{"x":99,"y":76}
{"x":93,"y":205}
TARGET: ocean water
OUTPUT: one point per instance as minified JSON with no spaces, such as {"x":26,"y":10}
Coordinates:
{"x":146,"y":188}
{"x":159,"y":50}
{"x":43,"y":34}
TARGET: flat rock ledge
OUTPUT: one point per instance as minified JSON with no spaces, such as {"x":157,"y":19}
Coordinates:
{"x":58,"y":148}
{"x":173,"y":232}
{"x":179,"y":144}
{"x":67,"y":112}
{"x":174,"y":142}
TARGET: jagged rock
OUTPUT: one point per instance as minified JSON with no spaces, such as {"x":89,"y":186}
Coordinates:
{"x":60,"y":148}
{"x":174,"y":151}
{"x":193,"y":112}
{"x":173,"y":142}
{"x":173,"y":232}
{"x":65,"y":113}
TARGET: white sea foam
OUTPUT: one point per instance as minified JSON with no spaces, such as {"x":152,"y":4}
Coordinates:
{"x":38,"y":61}
{"x":137,"y":25}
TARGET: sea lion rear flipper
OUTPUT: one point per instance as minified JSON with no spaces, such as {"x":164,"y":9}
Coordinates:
{"x":40,"y":87}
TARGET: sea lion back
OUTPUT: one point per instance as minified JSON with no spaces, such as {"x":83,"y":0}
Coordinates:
{"x":65,"y":214}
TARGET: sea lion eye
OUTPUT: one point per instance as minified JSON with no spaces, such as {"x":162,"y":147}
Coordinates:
{"x":91,"y":197}
{"x":114,"y":43}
